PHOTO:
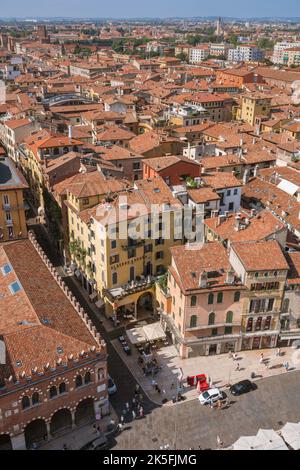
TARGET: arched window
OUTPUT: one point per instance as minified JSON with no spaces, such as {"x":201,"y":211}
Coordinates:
{"x":35,"y":398}
{"x":229,"y":317}
{"x":100,"y":374}
{"x":285,"y":305}
{"x":211,"y":318}
{"x":115,"y":278}
{"x":53,"y":392}
{"x":25,"y":402}
{"x":87,"y":378}
{"x":62,"y":388}
{"x":258,"y":324}
{"x":220,"y":297}
{"x":210,"y":299}
{"x":237,"y":296}
{"x":78,"y":381}
{"x":249,"y":324}
{"x":267,"y":325}
{"x":193,"y":301}
{"x":193,"y":321}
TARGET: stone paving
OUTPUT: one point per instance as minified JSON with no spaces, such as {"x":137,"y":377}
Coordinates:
{"x":221,"y":369}
{"x":190,"y":425}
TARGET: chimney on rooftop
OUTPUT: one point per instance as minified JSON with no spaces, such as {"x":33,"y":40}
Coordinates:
{"x":230,"y":277}
{"x":70,"y":132}
{"x":246,"y":177}
{"x":203,"y":280}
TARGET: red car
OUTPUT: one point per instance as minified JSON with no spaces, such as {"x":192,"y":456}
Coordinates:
{"x":198,"y":381}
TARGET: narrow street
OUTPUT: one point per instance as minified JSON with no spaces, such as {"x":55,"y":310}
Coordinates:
{"x":116,"y":366}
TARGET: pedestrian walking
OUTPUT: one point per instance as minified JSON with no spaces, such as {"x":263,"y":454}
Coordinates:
{"x":122,"y":420}
{"x":278,"y":353}
{"x":120,"y":427}
{"x":261,"y":358}
{"x":219,"y":442}
{"x":127,"y":406}
{"x":133,"y":415}
{"x":286,"y":366}
{"x":211,"y":404}
{"x":237,"y":367}
{"x":141,"y":412}
{"x":234,"y":356}
{"x":219,"y":404}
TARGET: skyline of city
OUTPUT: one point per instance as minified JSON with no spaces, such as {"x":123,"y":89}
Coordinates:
{"x":134,"y":9}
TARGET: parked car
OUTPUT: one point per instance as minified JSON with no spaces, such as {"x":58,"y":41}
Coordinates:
{"x":244,"y":386}
{"x":111,"y":387}
{"x":100,"y":443}
{"x":210,"y":396}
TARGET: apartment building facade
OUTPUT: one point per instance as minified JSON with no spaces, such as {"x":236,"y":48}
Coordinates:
{"x":263,"y":269}
{"x":12,"y":204}
{"x":201,"y":301}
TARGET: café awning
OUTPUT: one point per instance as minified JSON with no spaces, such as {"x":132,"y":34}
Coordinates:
{"x":136,"y":336}
{"x":154,"y":332}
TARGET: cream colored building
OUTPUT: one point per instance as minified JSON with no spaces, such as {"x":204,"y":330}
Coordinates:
{"x":119,"y":247}
{"x":12,"y":205}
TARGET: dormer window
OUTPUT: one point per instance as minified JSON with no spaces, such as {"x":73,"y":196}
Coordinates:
{"x":15,"y":287}
{"x":6,"y":269}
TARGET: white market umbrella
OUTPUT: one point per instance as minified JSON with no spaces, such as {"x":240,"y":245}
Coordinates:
{"x":268,"y":439}
{"x":245,"y":443}
{"x":291,"y":434}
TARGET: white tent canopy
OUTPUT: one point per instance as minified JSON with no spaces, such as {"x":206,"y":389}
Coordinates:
{"x":291,"y":434}
{"x":245,"y":443}
{"x":152,"y":332}
{"x":266,"y":439}
{"x":136,"y":336}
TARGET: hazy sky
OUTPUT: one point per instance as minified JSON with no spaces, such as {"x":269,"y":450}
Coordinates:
{"x":148,"y":8}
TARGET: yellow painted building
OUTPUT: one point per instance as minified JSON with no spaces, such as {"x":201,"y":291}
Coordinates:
{"x":12,"y":206}
{"x":112,"y":262}
{"x":254,"y":105}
